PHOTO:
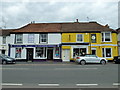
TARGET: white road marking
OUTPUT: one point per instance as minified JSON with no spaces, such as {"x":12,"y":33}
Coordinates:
{"x":76,"y":68}
{"x":116,"y":84}
{"x":48,"y":84}
{"x":11,"y":84}
{"x":86,"y":84}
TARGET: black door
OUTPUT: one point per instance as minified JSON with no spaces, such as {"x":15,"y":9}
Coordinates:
{"x":30,"y":54}
{"x":50,"y":54}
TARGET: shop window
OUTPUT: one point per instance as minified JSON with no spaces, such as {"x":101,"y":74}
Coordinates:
{"x":43,"y":38}
{"x":57,"y":52}
{"x":79,"y":52}
{"x":30,"y":38}
{"x":79,"y":37}
{"x":93,"y":38}
{"x":18,"y":38}
{"x":107,"y":52}
{"x":106,"y":36}
{"x":18,"y":53}
{"x":40,"y":52}
{"x":4,"y":40}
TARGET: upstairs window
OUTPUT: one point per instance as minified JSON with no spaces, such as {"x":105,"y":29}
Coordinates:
{"x":79,"y":37}
{"x":106,"y":37}
{"x":43,"y":38}
{"x":30,"y":38}
{"x":19,"y":38}
{"x":4,"y":40}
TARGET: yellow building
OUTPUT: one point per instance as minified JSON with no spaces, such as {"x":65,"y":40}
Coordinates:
{"x":88,"y":38}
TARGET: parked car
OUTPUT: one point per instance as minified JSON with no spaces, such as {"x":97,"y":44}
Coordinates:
{"x":4,"y":59}
{"x":116,"y":59}
{"x":89,"y":58}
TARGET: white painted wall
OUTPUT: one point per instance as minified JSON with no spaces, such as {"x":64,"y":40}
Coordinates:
{"x":54,"y":38}
{"x":25,"y":38}
{"x":12,"y":52}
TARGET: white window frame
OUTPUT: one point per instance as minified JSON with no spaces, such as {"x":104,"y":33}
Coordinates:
{"x":77,"y":38}
{"x":29,"y":37}
{"x":105,"y":52}
{"x":4,"y":38}
{"x":18,"y":42}
{"x":105,"y":37}
{"x":40,"y":40}
{"x":44,"y":51}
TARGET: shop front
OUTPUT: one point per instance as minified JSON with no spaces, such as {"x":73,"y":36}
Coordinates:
{"x":36,"y":52}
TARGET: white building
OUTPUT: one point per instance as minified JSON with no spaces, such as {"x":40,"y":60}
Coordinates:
{"x":39,"y":42}
{"x":4,"y":41}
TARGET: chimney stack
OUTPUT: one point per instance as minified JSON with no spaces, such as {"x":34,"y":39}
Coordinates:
{"x":77,"y":20}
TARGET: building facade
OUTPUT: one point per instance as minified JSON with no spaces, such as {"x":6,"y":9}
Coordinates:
{"x":118,"y":30}
{"x":4,"y":41}
{"x":62,"y":41}
{"x":38,"y":42}
{"x":88,"y":38}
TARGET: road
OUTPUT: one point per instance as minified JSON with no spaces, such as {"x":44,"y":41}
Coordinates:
{"x":59,"y":75}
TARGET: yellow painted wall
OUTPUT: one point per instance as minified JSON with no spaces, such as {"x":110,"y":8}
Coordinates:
{"x":71,"y":38}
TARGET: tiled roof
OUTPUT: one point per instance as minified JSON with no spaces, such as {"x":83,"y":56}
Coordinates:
{"x":83,"y":27}
{"x":5,"y":32}
{"x":40,"y":27}
{"x":63,"y":27}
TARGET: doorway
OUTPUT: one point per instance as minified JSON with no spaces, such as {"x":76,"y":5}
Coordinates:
{"x":29,"y":54}
{"x":50,"y":54}
{"x":3,"y":51}
{"x":66,"y":55}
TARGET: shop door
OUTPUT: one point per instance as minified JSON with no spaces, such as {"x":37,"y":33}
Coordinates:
{"x":30,"y":54}
{"x":66,"y":55}
{"x":50,"y":54}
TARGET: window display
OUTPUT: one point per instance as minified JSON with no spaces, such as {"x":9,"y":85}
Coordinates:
{"x":18,"y":53}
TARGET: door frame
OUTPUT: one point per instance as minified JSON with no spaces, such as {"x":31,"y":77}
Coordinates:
{"x":27,"y":54}
{"x":52,"y":51}
{"x":64,"y":60}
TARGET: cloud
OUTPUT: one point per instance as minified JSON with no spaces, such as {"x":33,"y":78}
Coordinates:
{"x":17,"y":14}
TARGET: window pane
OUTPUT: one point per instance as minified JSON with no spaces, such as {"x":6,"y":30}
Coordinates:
{"x":108,"y":52}
{"x":57,"y":52}
{"x":30,"y":38}
{"x":107,"y":36}
{"x":79,"y":37}
{"x":4,"y":40}
{"x":18,"y":38}
{"x":40,"y":52}
{"x":43,"y":38}
{"x":18,"y":53}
